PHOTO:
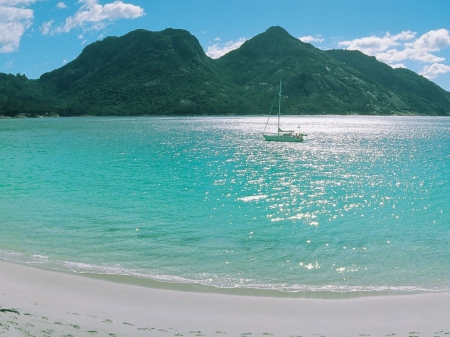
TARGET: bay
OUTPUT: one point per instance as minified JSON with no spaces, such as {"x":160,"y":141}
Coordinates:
{"x":361,"y":205}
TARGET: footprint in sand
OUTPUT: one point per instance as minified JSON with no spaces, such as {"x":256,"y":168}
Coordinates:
{"x":14,"y":311}
{"x":48,"y":332}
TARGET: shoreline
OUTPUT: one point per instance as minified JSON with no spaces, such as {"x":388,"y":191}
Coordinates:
{"x":231,"y":115}
{"x":51,"y":303}
{"x":186,"y":285}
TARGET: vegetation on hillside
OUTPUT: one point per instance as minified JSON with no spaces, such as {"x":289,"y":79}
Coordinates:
{"x":168,"y":73}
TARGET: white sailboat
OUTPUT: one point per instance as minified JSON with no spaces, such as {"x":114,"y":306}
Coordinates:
{"x":282,"y":135}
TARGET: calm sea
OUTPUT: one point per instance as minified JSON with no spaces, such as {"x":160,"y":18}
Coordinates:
{"x":363,"y":205}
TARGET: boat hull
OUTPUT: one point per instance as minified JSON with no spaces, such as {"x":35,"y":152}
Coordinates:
{"x":284,"y":138}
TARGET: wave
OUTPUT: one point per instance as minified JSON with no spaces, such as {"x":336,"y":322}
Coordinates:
{"x":212,"y":283}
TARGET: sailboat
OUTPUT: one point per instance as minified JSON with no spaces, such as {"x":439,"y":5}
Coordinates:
{"x":282,"y":135}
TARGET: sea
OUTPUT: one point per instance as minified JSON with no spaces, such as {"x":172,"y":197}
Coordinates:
{"x":360,"y":208}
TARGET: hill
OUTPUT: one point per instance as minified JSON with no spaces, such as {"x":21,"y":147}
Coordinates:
{"x":21,"y":96}
{"x":415,"y":91}
{"x":314,"y":82}
{"x":168,"y":73}
{"x":144,"y":73}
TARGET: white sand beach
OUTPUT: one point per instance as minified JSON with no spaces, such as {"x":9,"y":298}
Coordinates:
{"x":38,"y":302}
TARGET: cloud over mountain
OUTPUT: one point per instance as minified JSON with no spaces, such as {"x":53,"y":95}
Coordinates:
{"x":219,"y":49}
{"x":94,"y":16}
{"x":395,"y":49}
{"x":309,"y":39}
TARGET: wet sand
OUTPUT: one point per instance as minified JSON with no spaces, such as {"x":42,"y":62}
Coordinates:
{"x":37,"y":302}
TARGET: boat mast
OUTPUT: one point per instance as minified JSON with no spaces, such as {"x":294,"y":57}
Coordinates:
{"x":279,"y":110}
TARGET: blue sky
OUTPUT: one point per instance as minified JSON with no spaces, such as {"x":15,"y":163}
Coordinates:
{"x":37,"y":36}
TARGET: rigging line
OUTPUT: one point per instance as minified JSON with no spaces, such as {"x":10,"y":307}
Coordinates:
{"x":270,"y":113}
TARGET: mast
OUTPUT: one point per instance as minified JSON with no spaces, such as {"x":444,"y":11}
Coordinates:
{"x":279,"y":110}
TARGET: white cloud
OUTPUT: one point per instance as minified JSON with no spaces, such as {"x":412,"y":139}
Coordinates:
{"x":93,"y":16}
{"x":373,"y":44}
{"x":61,"y":5}
{"x":309,"y":39}
{"x":398,"y":65}
{"x":432,"y":41}
{"x":432,"y":71}
{"x":394,"y":49}
{"x":13,"y":23}
{"x":15,"y":3}
{"x":394,"y":55}
{"x":8,"y":65}
{"x":217,"y":50}
{"x":46,"y":26}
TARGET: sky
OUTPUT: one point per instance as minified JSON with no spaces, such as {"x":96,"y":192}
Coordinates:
{"x":38,"y":36}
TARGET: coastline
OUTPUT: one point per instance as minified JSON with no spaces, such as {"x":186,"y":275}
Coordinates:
{"x":51,"y":303}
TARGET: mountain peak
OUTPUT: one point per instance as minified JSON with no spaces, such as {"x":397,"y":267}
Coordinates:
{"x":277,"y":30}
{"x":272,"y":43}
{"x":168,"y":72}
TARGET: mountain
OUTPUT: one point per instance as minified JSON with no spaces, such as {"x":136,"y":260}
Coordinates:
{"x":314,"y":82}
{"x":144,"y":72}
{"x":415,"y":91}
{"x":20,"y":96}
{"x":168,"y":73}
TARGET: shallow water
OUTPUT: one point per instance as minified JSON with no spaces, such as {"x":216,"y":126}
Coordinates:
{"x":361,"y":205}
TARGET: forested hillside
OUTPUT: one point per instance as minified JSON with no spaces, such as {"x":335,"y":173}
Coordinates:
{"x":168,"y":73}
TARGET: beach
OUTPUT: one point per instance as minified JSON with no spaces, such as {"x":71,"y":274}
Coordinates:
{"x":37,"y":302}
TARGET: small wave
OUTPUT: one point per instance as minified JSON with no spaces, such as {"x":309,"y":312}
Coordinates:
{"x":211,"y":282}
{"x":38,"y":256}
{"x":253,"y":198}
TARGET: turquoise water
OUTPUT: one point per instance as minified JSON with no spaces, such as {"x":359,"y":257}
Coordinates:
{"x":362,"y":205}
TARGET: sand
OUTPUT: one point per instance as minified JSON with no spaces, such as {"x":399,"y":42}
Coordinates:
{"x":37,"y":302}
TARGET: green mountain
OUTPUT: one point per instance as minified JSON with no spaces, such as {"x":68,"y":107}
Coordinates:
{"x":414,"y":90}
{"x":19,"y":95}
{"x":168,"y":73}
{"x":144,"y":73}
{"x":314,"y":82}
